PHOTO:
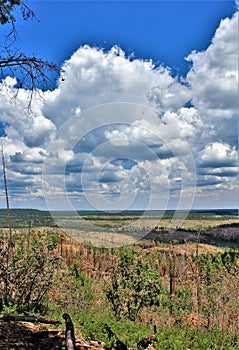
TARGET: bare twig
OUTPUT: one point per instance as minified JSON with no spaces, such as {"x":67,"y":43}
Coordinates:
{"x":31,"y":72}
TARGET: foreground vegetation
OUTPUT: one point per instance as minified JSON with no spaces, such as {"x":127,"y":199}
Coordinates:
{"x":186,"y":294}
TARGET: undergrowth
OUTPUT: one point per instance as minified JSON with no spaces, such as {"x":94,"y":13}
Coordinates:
{"x":188,"y":301}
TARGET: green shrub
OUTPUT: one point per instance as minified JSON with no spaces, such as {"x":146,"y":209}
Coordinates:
{"x":27,"y":271}
{"x":133,"y":284}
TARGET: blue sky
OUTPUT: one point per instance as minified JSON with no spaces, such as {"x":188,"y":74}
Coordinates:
{"x":144,"y":117}
{"x":164,"y":31}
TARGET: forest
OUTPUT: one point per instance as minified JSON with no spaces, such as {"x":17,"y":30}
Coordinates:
{"x":175,"y":292}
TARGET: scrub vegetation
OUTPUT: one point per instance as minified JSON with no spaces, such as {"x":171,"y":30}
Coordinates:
{"x":182,"y":295}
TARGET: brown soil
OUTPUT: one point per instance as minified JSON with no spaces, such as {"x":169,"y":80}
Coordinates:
{"x":26,"y":336}
{"x":29,"y":336}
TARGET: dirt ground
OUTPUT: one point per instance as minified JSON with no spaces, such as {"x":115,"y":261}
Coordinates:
{"x":26,"y":336}
{"x":29,"y":336}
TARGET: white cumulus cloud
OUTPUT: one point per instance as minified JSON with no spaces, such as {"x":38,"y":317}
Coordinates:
{"x":142,"y":153}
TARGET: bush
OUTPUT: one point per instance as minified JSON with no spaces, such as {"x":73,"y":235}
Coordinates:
{"x":132,"y":285}
{"x":27,"y":270}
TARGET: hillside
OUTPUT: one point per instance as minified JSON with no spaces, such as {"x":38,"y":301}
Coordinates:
{"x":170,"y":285}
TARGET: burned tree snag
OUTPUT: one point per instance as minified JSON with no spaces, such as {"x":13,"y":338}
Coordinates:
{"x":171,"y":280}
{"x":7,"y":198}
{"x":69,"y":333}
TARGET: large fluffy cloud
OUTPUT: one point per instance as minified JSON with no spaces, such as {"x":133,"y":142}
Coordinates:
{"x":145,"y":154}
{"x":213,"y":79}
{"x":92,"y":77}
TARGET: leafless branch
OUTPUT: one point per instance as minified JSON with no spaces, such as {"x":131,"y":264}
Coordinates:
{"x":31,"y":72}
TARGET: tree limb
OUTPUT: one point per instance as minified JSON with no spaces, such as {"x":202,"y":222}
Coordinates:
{"x":32,"y":319}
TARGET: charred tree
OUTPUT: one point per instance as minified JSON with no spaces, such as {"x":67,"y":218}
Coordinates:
{"x":10,"y":243}
{"x":69,"y":333}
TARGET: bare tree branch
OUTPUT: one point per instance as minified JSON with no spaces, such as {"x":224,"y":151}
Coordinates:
{"x":31,"y":72}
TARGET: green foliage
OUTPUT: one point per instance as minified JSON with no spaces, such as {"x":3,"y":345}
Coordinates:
{"x":133,"y":284}
{"x":72,"y":290}
{"x":10,"y":309}
{"x":174,"y":338}
{"x":129,"y":289}
{"x":219,"y":261}
{"x":27,"y":270}
{"x":7,"y":8}
{"x":24,"y":218}
{"x":182,"y":302}
{"x":93,"y":327}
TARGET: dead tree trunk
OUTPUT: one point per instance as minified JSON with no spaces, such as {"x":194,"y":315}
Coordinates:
{"x":171,"y":280}
{"x":69,"y":333}
{"x":198,"y":276}
{"x":7,"y":198}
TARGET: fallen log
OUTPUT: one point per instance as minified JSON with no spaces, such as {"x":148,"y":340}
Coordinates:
{"x":23,"y":318}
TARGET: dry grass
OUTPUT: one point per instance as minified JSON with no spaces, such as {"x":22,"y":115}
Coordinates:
{"x":187,"y":248}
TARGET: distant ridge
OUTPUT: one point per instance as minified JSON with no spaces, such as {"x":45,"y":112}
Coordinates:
{"x":24,"y":217}
{"x":226,"y":211}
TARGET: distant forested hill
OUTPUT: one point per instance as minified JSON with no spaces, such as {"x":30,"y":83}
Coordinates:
{"x":24,"y":218}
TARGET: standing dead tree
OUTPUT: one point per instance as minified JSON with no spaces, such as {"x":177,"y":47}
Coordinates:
{"x":7,"y":199}
{"x":69,"y":333}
